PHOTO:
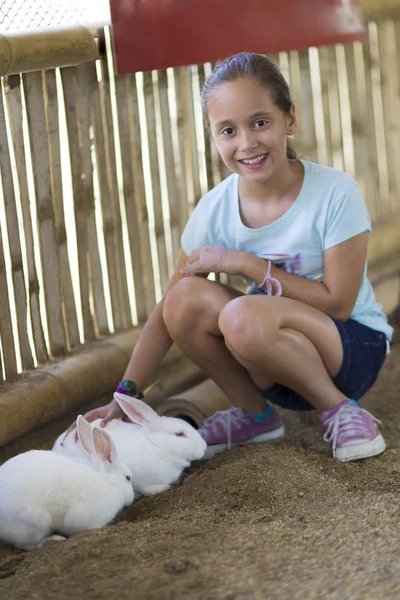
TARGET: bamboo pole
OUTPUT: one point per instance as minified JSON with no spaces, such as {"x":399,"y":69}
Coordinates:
{"x":324,"y":75}
{"x":159,"y":229}
{"x":53,"y":138}
{"x":367,"y":113}
{"x":14,"y":104}
{"x":123,"y":319}
{"x":134,"y":195}
{"x":6,"y":333}
{"x":77,"y":98}
{"x":391,"y":105}
{"x":47,"y":48}
{"x":130,"y":199}
{"x":173,"y":189}
{"x":383,"y":200}
{"x":109,"y":200}
{"x":17,"y":269}
{"x":208,"y":147}
{"x":86,"y":82}
{"x":184,"y":143}
{"x":302,"y":92}
{"x":334,"y":111}
{"x":33,"y":91}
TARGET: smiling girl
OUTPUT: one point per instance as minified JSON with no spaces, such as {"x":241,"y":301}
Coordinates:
{"x":309,"y":333}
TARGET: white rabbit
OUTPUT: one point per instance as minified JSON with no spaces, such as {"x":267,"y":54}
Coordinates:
{"x":43,"y":492}
{"x":156,"y":449}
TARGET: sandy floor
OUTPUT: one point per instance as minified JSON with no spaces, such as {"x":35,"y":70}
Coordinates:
{"x":279,"y":521}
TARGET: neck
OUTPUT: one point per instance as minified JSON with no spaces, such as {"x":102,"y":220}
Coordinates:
{"x":275,"y":187}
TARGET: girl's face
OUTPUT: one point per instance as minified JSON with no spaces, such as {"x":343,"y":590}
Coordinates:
{"x":250,"y":132}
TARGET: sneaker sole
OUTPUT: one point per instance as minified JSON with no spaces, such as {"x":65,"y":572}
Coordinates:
{"x":264,"y":437}
{"x":360,"y":451}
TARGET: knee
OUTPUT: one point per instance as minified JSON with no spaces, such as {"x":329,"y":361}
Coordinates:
{"x":244,"y":326}
{"x":183,"y":303}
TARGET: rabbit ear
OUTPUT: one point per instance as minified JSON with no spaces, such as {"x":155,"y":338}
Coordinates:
{"x":103,"y":445}
{"x":139,"y":412}
{"x":85,"y":434}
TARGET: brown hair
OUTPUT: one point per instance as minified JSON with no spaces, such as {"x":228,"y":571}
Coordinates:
{"x":263,"y":70}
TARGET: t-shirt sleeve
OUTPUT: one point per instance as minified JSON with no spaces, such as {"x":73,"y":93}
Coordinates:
{"x":347,"y":217}
{"x":198,"y":231}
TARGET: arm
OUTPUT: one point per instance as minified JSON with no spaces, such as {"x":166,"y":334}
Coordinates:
{"x":153,"y":344}
{"x":337,"y":294}
{"x":154,"y":341}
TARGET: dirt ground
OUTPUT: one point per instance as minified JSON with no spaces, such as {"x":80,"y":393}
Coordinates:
{"x":279,"y":520}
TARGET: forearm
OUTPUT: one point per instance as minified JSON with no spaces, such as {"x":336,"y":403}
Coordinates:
{"x":153,"y":344}
{"x":314,"y":293}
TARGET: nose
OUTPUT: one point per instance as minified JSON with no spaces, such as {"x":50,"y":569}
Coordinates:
{"x":248,"y":141}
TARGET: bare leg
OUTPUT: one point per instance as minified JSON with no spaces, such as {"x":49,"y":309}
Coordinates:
{"x":285,"y":341}
{"x":191,"y":312}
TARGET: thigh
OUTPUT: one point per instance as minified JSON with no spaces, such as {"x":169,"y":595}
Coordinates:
{"x":315,"y":325}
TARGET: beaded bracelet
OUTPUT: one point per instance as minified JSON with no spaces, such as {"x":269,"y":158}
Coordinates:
{"x":128,"y":388}
{"x":269,"y":281}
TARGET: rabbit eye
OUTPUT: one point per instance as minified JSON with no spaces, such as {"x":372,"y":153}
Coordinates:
{"x":128,"y":477}
{"x":181,"y":434}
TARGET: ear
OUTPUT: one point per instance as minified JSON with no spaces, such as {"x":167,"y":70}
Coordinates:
{"x":85,"y":434}
{"x":103,"y":445}
{"x":292,"y":120}
{"x":139,"y":412}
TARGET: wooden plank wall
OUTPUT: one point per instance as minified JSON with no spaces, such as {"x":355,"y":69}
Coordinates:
{"x":99,"y":174}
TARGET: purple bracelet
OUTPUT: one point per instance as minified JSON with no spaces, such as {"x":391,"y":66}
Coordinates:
{"x":269,"y":281}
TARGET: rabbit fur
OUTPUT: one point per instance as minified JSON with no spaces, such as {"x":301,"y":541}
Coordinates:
{"x":156,"y":449}
{"x":43,"y":492}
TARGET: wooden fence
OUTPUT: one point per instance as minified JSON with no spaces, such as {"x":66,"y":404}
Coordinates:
{"x":99,"y":174}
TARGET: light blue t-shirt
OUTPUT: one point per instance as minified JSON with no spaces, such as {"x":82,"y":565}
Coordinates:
{"x":328,"y":211}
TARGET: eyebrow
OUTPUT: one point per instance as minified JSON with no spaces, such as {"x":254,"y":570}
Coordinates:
{"x":256,"y":115}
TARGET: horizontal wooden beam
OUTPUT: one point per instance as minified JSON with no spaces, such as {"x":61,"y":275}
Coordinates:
{"x":377,"y":10}
{"x":41,"y":396}
{"x":47,"y":48}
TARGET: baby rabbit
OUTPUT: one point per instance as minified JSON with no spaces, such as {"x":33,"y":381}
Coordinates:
{"x":43,"y":492}
{"x":156,"y":449}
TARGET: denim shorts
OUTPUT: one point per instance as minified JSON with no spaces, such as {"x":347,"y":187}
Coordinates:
{"x":364,"y":352}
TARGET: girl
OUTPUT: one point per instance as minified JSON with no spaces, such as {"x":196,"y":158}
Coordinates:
{"x":309,"y":332}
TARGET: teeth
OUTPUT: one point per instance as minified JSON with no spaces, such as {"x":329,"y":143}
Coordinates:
{"x":254,"y":161}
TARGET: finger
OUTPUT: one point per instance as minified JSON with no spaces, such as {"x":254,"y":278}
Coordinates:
{"x":189,"y":270}
{"x":107,"y":419}
{"x":92,"y":415}
{"x":193,"y":257}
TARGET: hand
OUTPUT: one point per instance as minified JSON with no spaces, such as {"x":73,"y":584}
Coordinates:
{"x":110,"y":411}
{"x":213,"y":259}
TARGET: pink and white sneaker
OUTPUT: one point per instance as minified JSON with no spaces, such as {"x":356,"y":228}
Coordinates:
{"x":226,"y":428}
{"x":352,"y":431}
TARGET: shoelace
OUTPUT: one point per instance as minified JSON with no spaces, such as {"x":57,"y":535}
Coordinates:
{"x":347,"y":415}
{"x":226,"y":419}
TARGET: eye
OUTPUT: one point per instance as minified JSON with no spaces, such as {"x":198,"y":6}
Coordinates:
{"x":261,"y":123}
{"x":128,"y":477}
{"x":181,"y":434}
{"x":227,"y":131}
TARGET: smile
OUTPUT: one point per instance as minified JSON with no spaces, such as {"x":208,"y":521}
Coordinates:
{"x":254,"y":162}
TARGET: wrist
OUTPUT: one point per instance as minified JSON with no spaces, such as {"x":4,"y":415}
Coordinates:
{"x":129,"y":388}
{"x":254,"y":267}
